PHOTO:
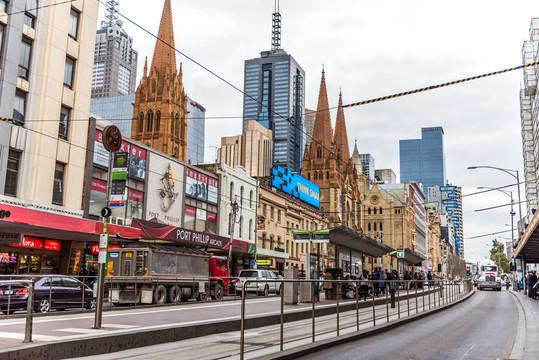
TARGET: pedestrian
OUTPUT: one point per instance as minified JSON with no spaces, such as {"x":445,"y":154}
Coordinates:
{"x":364,"y":284}
{"x":531,"y":280}
{"x":533,"y":285}
{"x":407,"y":278}
{"x":376,"y":278}
{"x":429,"y":278}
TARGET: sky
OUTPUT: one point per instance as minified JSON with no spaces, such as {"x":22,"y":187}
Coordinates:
{"x":370,"y":49}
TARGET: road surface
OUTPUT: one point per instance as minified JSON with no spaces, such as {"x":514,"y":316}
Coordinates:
{"x":484,"y":327}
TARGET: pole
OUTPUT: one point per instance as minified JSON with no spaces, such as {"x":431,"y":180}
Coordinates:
{"x":232,"y":226}
{"x":519,"y":203}
{"x":512,"y":222}
{"x":29,"y":313}
{"x":102,"y":260}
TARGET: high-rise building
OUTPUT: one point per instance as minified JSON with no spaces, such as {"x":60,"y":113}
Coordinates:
{"x":115,"y":60}
{"x":310,"y":116}
{"x":196,"y":123}
{"x":46,"y":58}
{"x":385,"y":176}
{"x":423,"y":160}
{"x":529,"y":115}
{"x":367,"y":162}
{"x":274,"y":87}
{"x":252,"y":150}
{"x":116,"y":109}
{"x":160,"y":111}
{"x":448,"y":201}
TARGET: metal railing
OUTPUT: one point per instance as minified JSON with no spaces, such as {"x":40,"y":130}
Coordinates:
{"x":388,"y":299}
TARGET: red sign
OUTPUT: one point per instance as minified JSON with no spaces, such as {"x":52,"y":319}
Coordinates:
{"x":135,"y":196}
{"x":34,"y":243}
{"x":190,"y":211}
{"x":125,"y":147}
{"x":212,"y":217}
{"x":99,"y":185}
{"x":94,"y":249}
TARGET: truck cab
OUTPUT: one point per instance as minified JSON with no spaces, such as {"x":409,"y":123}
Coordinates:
{"x":488,"y":276}
{"x":219,"y":273}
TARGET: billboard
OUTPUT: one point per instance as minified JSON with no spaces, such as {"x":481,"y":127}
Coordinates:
{"x":296,"y":186}
{"x":201,"y":186}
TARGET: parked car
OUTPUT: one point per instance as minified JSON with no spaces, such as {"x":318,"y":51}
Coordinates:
{"x":51,"y":292}
{"x":259,"y":286}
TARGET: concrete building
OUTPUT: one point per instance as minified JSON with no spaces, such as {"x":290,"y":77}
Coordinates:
{"x":529,"y":115}
{"x":252,"y":150}
{"x":423,"y":160}
{"x":46,"y":59}
{"x":367,"y":163}
{"x":385,"y":176}
{"x":274,"y":87}
{"x":115,"y":60}
{"x":160,"y":110}
{"x":196,"y":131}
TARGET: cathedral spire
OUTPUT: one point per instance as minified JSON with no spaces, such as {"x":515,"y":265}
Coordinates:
{"x":341,"y":136}
{"x":356,"y":160}
{"x":145,"y":71}
{"x":322,"y":131}
{"x":164,"y":55}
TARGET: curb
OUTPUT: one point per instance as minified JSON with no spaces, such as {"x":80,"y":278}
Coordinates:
{"x":105,"y":343}
{"x":303,"y":350}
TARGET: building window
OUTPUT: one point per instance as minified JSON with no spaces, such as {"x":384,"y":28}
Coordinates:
{"x":69,"y":72}
{"x":249,"y":236}
{"x":369,"y":211}
{"x":231,"y":195}
{"x":374,"y":226}
{"x":279,"y":216}
{"x":12,"y":173}
{"x":30,"y":13}
{"x":381,"y":228}
{"x":251,"y":199}
{"x":272,"y":245}
{"x":64,"y":122}
{"x":374,"y":211}
{"x":368,"y":226}
{"x":264,"y":241}
{"x":264,"y":210}
{"x":149,"y":122}
{"x":319,"y":152}
{"x":19,"y":108}
{"x":288,"y":227}
{"x":158,"y":121}
{"x":1,"y":39}
{"x":141,"y":122}
{"x":74,"y":23}
{"x":240,"y":235}
{"x":24,"y":58}
{"x":58,"y":185}
{"x":177,"y":122}
{"x":380,"y":211}
{"x":241,"y":196}
{"x":272,"y":213}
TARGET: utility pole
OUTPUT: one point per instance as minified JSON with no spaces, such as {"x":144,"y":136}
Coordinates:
{"x":232,"y":225}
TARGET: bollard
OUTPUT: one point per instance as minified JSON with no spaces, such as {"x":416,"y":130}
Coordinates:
{"x":29,"y":313}
{"x":393,"y":287}
{"x":9,"y":298}
{"x":423,"y":295}
{"x":416,"y":303}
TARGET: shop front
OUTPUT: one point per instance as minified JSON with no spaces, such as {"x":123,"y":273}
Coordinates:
{"x":30,"y":255}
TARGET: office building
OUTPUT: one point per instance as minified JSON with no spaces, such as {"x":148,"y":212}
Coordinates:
{"x":46,"y":75}
{"x":367,"y":163}
{"x":310,"y":117}
{"x":160,"y":110}
{"x":529,"y":116}
{"x":115,"y":60}
{"x":274,"y":87}
{"x":385,"y":176}
{"x":116,"y":109}
{"x":423,"y":160}
{"x":196,"y":123}
{"x":252,"y":150}
{"x":448,"y":200}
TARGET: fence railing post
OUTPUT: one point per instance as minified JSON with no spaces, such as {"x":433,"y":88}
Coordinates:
{"x":282,"y":317}
{"x":338,"y":306}
{"x":386,"y":290}
{"x":29,"y":313}
{"x":242,"y":321}
{"x":313,"y":310}
{"x":357,"y":305}
{"x":408,"y":296}
{"x":373,"y":306}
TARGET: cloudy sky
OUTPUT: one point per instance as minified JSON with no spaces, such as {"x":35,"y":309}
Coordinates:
{"x":370,"y":49}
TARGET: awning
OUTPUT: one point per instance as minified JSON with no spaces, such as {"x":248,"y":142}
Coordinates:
{"x":413,"y":257}
{"x":60,"y":227}
{"x":354,"y":240}
{"x":528,"y":246}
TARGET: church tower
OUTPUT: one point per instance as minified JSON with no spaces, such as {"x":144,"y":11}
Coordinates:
{"x":160,"y":111}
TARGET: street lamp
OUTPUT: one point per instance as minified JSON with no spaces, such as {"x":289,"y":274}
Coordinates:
{"x":512,"y":213}
{"x":513,"y":173}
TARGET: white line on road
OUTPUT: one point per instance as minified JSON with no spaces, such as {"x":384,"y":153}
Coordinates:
{"x":518,"y":346}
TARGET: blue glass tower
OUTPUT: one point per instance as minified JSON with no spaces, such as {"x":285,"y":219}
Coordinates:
{"x":423,"y":160}
{"x":274,"y":86}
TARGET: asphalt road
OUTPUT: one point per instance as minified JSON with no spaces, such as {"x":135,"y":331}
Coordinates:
{"x":483,"y":327}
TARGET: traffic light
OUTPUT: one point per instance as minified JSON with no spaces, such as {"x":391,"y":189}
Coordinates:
{"x":4,"y":213}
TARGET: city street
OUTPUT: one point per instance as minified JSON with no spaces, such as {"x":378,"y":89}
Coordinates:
{"x":484,"y":327}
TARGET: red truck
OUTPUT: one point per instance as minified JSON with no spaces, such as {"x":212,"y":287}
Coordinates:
{"x":158,"y":273}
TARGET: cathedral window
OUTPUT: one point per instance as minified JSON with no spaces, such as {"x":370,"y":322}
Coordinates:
{"x":369,"y":211}
{"x":327,"y":174}
{"x":149,"y":123}
{"x":319,"y":152}
{"x":177,"y":129}
{"x":158,"y":121}
{"x":141,"y":122}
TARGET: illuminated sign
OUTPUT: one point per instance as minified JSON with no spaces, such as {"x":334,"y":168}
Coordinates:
{"x":94,"y":249}
{"x":295,"y":185}
{"x":33,"y":243}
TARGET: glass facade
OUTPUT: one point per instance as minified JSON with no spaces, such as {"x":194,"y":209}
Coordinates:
{"x":423,"y":160}
{"x":367,"y":164}
{"x":196,"y":122}
{"x":117,"y":109}
{"x":275,"y":97}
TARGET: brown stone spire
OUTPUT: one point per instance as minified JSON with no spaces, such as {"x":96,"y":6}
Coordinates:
{"x":164,"y":54}
{"x":341,"y":136}
{"x":322,"y":132}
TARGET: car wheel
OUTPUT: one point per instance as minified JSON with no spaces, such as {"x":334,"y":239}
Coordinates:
{"x":44,"y":306}
{"x":202,"y":297}
{"x":218,"y":293}
{"x":5,"y":312}
{"x":93,"y":304}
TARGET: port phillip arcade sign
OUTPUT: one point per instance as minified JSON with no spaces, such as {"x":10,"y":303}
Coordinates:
{"x":156,"y":231}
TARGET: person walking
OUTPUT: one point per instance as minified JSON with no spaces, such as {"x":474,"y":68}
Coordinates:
{"x":364,"y":285}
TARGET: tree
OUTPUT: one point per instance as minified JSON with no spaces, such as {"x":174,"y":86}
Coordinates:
{"x":497,"y":254}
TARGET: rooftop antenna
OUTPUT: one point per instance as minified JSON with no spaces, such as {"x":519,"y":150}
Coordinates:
{"x":111,"y":11}
{"x":276,"y":28}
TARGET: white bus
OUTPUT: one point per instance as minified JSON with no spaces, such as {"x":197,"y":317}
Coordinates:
{"x":488,"y":276}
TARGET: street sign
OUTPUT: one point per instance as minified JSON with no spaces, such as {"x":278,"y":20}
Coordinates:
{"x":112,"y":138}
{"x":263,"y":262}
{"x":103,"y":241}
{"x":106,"y":212}
{"x":400,"y":253}
{"x":321,"y":237}
{"x":302,"y":237}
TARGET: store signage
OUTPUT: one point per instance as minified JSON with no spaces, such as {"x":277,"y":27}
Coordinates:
{"x":34,"y":243}
{"x":10,"y":237}
{"x":94,"y":248}
{"x":136,"y":157}
{"x":201,"y":186}
{"x":295,"y":185}
{"x":263,"y":262}
{"x":7,"y":258}
{"x":112,"y":138}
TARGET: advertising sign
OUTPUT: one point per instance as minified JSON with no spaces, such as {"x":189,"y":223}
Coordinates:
{"x":295,"y":185}
{"x":164,"y":202}
{"x":28,"y":242}
{"x":213,"y":190}
{"x":201,"y":186}
{"x":261,"y":223}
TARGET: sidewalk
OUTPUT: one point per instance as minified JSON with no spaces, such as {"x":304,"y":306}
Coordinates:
{"x":531,"y":315}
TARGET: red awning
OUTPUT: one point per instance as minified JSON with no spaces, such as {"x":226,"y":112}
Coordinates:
{"x":41,"y":223}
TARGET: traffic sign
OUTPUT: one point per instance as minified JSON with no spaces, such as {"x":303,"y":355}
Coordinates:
{"x":400,"y":253}
{"x":106,"y":212}
{"x":112,"y":138}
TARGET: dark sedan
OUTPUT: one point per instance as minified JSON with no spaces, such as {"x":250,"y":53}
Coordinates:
{"x":52,"y":292}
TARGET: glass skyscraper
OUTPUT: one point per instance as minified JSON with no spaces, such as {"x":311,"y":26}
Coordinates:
{"x":423,"y":160}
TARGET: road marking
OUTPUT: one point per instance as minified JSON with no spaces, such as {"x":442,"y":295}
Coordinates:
{"x":20,"y":336}
{"x":83,"y":331}
{"x":518,"y":346}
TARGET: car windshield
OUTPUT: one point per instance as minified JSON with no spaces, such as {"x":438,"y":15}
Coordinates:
{"x":489,"y":268}
{"x":249,"y":274}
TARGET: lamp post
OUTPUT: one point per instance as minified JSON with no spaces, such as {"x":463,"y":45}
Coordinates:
{"x":513,"y":173}
{"x":512,"y":213}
